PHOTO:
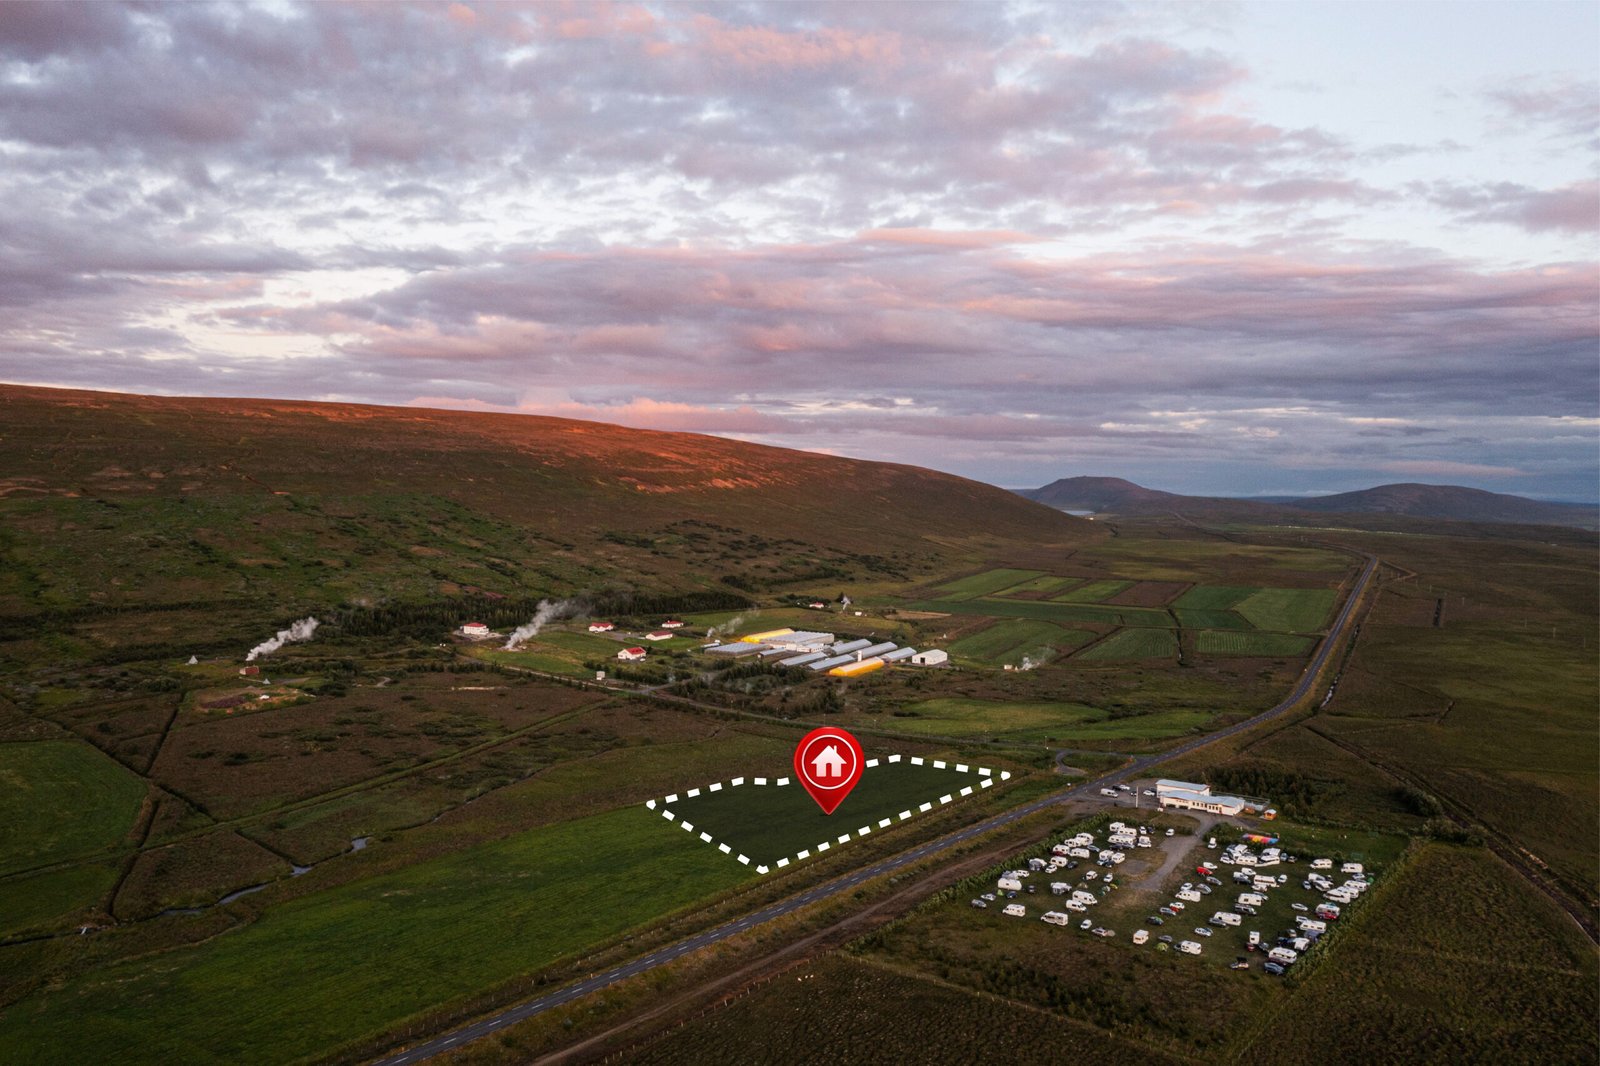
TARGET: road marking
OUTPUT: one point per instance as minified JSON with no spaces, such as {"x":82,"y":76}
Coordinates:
{"x":960,"y":769}
{"x":894,"y":758}
{"x":692,"y":792}
{"x":938,"y":764}
{"x":686,"y":827}
{"x":706,"y":837}
{"x":783,"y":781}
{"x":926,"y":807}
{"x":883,"y":822}
{"x":736,"y":782}
{"x":716,"y":787}
{"x":761,"y":780}
{"x":871,"y":762}
{"x":671,"y":799}
{"x":804,"y":854}
{"x":904,"y":815}
{"x":946,"y":798}
{"x":916,"y":760}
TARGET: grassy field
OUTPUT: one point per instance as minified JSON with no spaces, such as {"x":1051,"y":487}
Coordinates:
{"x":317,"y":972}
{"x":1224,"y":642}
{"x":1214,"y":597}
{"x":1040,"y":587}
{"x":1455,"y":961}
{"x":54,"y":897}
{"x":1134,"y":644}
{"x":768,"y":822}
{"x":61,"y":800}
{"x":987,"y":583}
{"x":1051,"y":612}
{"x":856,"y":1011}
{"x":1042,"y":722}
{"x":1190,"y":618}
{"x":1288,"y":610}
{"x":1093,"y":592}
{"x":1008,"y":640}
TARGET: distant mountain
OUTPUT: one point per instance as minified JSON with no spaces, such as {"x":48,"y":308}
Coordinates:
{"x":1450,"y":501}
{"x":1114,"y":495}
{"x":1110,"y":495}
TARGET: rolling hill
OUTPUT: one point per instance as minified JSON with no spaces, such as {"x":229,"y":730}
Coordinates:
{"x":119,"y":499}
{"x":1456,"y":503}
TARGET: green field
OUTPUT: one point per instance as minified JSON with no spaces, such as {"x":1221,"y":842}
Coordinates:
{"x":1093,"y":592}
{"x":1007,"y":641}
{"x":1214,"y":597}
{"x":1046,"y":584}
{"x":1213,"y":642}
{"x":957,"y":717}
{"x":1051,"y":612}
{"x":315,"y":973}
{"x":987,"y":583}
{"x":1134,"y":644}
{"x":61,"y":799}
{"x":768,"y":823}
{"x":1191,"y":618}
{"x":1288,"y":610}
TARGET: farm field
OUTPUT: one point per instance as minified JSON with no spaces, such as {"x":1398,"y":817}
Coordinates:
{"x":771,"y":822}
{"x":314,"y":973}
{"x":1008,"y":640}
{"x":60,"y":799}
{"x":1039,"y":722}
{"x":1050,"y":612}
{"x":1288,"y":610}
{"x":1214,"y":597}
{"x":1093,"y":592}
{"x":1226,"y":642}
{"x":1134,"y":644}
{"x":1191,"y":618}
{"x":987,"y":583}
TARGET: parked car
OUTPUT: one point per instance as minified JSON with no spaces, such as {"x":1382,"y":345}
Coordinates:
{"x":987,"y":896}
{"x":1213,"y":881}
{"x":1241,"y":964}
{"x":1155,"y":920}
{"x":1164,"y":938}
{"x":1169,"y":912}
{"x":1011,"y":895}
{"x":1087,"y":923}
{"x":1170,"y":832}
{"x":1176,"y":904}
{"x":1203,"y":930}
{"x":1205,"y":890}
{"x":1245,"y":908}
{"x":979,"y":903}
{"x":1274,"y":968}
{"x":1151,"y":792}
{"x":1101,"y":931}
{"x":1299,"y":906}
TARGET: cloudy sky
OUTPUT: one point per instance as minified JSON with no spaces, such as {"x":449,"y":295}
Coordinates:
{"x":1228,"y":248}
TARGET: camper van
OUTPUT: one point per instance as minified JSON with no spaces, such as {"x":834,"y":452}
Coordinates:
{"x":1322,"y":864}
{"x":1189,"y":947}
{"x":1055,"y":918}
{"x":1311,"y":925}
{"x":1283,"y":955}
{"x":1351,"y":868}
{"x":1228,"y":918}
{"x":1015,"y":910}
{"x":1189,"y":895}
{"x":1252,"y":899}
{"x":1010,"y":884}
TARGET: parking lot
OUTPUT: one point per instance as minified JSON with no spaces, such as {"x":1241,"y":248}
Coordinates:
{"x":1207,"y":888}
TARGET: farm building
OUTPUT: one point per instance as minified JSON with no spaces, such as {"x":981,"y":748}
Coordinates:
{"x":857,"y":668}
{"x":249,"y":671}
{"x":897,"y":655}
{"x":831,"y":661}
{"x":1190,"y":800}
{"x":660,"y":634}
{"x":875,"y":649}
{"x":769,"y":635}
{"x":931,"y":657}
{"x":804,"y":640}
{"x":801,"y":660}
{"x":601,"y":627}
{"x":631,"y":655}
{"x":816,"y":605}
{"x":845,"y":646}
{"x":474,"y":629}
{"x":1166,"y":785}
{"x":736,"y":649}
{"x":672,"y":624}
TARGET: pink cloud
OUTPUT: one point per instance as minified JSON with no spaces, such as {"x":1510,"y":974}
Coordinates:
{"x":1448,"y":468}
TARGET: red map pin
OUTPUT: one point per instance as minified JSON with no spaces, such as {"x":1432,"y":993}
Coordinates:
{"x":828,"y":762}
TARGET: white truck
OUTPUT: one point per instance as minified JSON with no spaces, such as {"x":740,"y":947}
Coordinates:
{"x":1189,"y":947}
{"x":1055,"y":918}
{"x":1226,"y":918}
{"x":1015,"y":910}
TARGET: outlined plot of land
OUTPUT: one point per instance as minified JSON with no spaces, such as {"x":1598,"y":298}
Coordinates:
{"x":768,"y":823}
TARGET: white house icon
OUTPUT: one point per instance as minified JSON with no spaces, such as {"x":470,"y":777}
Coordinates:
{"x":829,"y":764}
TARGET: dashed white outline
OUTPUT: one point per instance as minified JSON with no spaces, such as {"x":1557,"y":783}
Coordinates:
{"x":986,"y":775}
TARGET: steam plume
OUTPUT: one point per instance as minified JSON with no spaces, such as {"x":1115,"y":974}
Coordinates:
{"x":300,"y":630}
{"x":542,"y":616}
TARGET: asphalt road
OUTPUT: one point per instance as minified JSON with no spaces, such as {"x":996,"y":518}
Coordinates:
{"x":522,"y":1011}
